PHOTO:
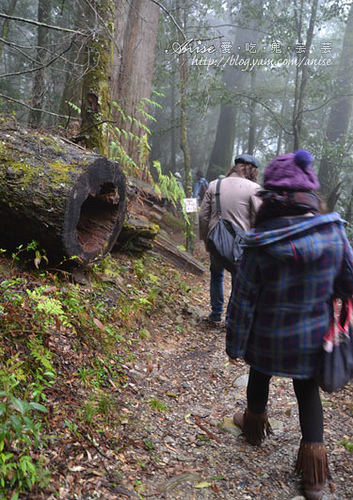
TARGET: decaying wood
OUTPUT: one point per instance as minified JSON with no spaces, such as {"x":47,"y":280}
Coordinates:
{"x":70,"y":200}
{"x":137,"y":235}
{"x":179,"y":258}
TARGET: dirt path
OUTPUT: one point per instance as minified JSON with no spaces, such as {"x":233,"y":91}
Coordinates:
{"x":179,"y":440}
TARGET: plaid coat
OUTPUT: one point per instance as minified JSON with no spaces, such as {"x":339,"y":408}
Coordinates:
{"x":279,"y":309}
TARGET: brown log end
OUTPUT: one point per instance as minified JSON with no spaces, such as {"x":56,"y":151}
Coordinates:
{"x":95,"y":211}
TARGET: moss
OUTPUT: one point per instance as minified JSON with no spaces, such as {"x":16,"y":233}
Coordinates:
{"x":172,"y":222}
{"x":54,"y":173}
{"x":97,"y":83}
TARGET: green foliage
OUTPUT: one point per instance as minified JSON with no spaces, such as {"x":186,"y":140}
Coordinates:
{"x":168,"y":186}
{"x":31,"y":250}
{"x":20,"y":432}
{"x":97,"y":326}
{"x":348,"y":445}
{"x":121,"y":138}
{"x":48,"y":309}
{"x":158,"y":405}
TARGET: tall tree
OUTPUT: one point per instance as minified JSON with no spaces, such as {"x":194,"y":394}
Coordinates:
{"x":96,"y":90}
{"x":135,"y":29}
{"x":5,"y":26}
{"x":38,"y":91}
{"x":234,"y":77}
{"x":302,"y":69}
{"x":339,"y":119}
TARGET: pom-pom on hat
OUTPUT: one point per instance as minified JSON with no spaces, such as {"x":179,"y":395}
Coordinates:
{"x":292,"y":171}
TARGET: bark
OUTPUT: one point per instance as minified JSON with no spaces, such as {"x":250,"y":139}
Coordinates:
{"x":179,"y":258}
{"x":184,"y":146}
{"x":339,"y":119}
{"x":96,"y":90}
{"x":252,"y":120}
{"x":221,"y":156}
{"x":302,"y":74}
{"x":173,"y":140}
{"x":38,"y":91}
{"x":136,"y":26}
{"x":69,"y":200}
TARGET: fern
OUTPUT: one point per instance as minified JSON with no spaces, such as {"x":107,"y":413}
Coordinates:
{"x":40,"y":354}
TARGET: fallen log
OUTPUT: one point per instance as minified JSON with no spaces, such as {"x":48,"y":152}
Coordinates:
{"x":72,"y":201}
{"x":137,"y":235}
{"x":183,"y":260}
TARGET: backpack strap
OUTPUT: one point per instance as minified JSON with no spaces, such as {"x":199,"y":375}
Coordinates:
{"x":218,"y":198}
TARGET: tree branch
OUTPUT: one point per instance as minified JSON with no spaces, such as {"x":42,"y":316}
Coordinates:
{"x":21,"y":103}
{"x":171,"y":17}
{"x":38,"y":68}
{"x":43,"y":25}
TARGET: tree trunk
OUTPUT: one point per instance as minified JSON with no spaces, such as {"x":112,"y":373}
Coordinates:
{"x":69,"y":200}
{"x":339,"y":119}
{"x":38,"y":91}
{"x":72,"y":92}
{"x":252,"y":119}
{"x":183,"y":69}
{"x":223,"y":148}
{"x":221,"y":156}
{"x":96,"y":89}
{"x":173,"y":140}
{"x":302,"y":76}
{"x":136,"y":27}
{"x":5,"y":26}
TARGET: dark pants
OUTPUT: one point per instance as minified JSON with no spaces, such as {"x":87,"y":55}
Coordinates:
{"x":216,"y":284}
{"x":308,"y":397}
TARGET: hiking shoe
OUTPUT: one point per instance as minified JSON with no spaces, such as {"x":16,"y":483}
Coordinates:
{"x":215,"y":319}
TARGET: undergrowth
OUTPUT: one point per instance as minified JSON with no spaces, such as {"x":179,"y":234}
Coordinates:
{"x":59,"y":339}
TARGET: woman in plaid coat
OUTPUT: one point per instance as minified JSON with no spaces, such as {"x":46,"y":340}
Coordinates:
{"x":295,"y":260}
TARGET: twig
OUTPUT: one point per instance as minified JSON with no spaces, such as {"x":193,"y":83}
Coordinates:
{"x":209,"y":433}
{"x":44,"y":25}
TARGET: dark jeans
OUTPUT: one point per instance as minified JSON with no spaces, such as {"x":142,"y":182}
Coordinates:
{"x":308,"y":397}
{"x":216,"y":285}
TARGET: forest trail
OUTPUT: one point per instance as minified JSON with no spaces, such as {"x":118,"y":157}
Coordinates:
{"x":176,"y":439}
{"x":164,"y":430}
{"x":191,"y":450}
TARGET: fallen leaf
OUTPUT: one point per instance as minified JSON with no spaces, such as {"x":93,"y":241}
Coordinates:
{"x":203,"y":484}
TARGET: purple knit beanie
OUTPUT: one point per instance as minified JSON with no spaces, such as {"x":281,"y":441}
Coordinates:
{"x":292,"y":171}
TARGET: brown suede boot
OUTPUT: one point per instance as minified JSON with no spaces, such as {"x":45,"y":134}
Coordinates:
{"x":312,"y":463}
{"x":255,"y":426}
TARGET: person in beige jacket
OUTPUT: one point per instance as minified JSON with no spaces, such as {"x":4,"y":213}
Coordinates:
{"x":239,"y":204}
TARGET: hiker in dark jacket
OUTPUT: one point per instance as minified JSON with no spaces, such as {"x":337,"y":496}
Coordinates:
{"x":295,"y":261}
{"x":200,"y":187}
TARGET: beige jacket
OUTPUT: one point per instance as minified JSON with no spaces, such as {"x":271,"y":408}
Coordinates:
{"x":238,"y":204}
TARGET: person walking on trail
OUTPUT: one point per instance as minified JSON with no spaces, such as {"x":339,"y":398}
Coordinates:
{"x":200,"y":187}
{"x":179,"y":180}
{"x":239,"y":204}
{"x":295,"y":260}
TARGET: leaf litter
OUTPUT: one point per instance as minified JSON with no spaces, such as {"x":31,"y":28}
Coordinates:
{"x":173,"y":436}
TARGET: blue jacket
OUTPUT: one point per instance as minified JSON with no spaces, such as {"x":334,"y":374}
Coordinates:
{"x":280,"y":306}
{"x":198,"y":191}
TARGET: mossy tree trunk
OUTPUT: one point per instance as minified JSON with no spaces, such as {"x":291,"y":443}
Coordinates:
{"x":96,"y":89}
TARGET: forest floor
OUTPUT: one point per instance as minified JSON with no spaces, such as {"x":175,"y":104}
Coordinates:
{"x":170,"y":435}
